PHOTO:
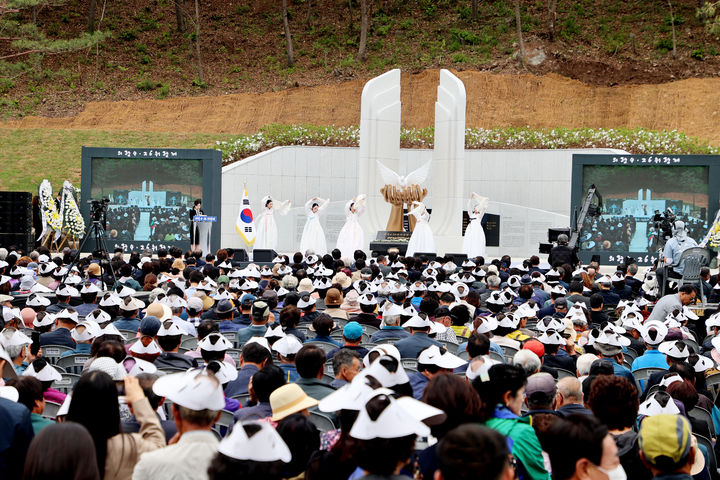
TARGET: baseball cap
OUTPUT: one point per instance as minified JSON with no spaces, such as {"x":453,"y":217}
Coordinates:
{"x":352,"y":331}
{"x":540,"y":386}
{"x":247,"y":299}
{"x":259,"y":310}
{"x":150,"y":325}
{"x":535,"y":346}
{"x":195,"y":304}
{"x":665,"y":440}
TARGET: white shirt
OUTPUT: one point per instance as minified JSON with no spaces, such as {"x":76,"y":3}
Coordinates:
{"x":188,"y":459}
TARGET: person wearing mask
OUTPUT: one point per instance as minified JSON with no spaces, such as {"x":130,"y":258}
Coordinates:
{"x":580,"y":447}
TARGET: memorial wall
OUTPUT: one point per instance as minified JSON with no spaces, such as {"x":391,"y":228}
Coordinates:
{"x":530,"y":190}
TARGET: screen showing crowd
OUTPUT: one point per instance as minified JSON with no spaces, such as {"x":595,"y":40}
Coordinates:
{"x":640,"y":203}
{"x":149,"y":199}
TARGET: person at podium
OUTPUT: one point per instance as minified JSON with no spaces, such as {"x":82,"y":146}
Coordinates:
{"x":194,"y":234}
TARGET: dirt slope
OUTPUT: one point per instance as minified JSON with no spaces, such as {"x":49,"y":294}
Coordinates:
{"x":690,"y":106}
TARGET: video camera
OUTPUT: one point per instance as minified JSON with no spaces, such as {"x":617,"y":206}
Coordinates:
{"x":98,"y":209}
{"x":664,"y":223}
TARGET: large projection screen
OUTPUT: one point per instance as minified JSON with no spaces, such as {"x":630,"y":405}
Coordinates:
{"x":636,"y":188}
{"x":150,"y":193}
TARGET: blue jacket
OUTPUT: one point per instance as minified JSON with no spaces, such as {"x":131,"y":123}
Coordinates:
{"x":16,"y":432}
{"x":79,"y":348}
{"x":59,"y":336}
{"x":244,"y":334}
{"x":389,"y":332}
{"x":326,"y":339}
{"x":412,"y":346}
{"x":418,"y":382}
{"x":131,"y":324}
{"x":86,"y":308}
{"x":290,"y":371}
{"x":229,"y":326}
{"x":239,"y":386}
{"x":651,"y":358}
{"x":621,"y":371}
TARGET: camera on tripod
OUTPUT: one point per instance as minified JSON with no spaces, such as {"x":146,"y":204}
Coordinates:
{"x":98,"y":209}
{"x":664,"y":223}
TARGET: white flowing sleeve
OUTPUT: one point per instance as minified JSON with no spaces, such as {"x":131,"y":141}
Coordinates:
{"x":482,"y":204}
{"x":322,"y":204}
{"x":283,"y":207}
{"x":360,"y":204}
{"x":308,"y":207}
{"x":471,"y":209}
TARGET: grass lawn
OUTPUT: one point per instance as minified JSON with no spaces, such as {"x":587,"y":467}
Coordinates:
{"x":27,"y":156}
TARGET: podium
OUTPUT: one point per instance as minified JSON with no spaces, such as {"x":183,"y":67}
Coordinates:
{"x":204,"y":227}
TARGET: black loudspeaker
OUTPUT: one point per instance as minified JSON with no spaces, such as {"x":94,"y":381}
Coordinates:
{"x":428,"y":255}
{"x":240,"y":256}
{"x":20,"y":241}
{"x":15,"y":212}
{"x":264,"y":255}
{"x":457,"y":258}
{"x":554,"y":232}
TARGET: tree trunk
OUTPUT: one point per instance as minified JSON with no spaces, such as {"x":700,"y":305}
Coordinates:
{"x":309,"y":13}
{"x":364,"y":26}
{"x":474,"y":9}
{"x":672,"y":22}
{"x":179,"y":15}
{"x":521,"y":43}
{"x":552,"y":18}
{"x":197,"y":40}
{"x":350,"y":12}
{"x":288,"y":38}
{"x":91,"y":16}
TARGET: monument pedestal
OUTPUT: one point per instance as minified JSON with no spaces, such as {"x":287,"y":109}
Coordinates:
{"x":386,"y":240}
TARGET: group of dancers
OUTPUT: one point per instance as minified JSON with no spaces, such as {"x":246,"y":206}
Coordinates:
{"x":352,"y":237}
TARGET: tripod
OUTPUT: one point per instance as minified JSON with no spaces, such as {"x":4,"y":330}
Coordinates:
{"x":98,"y":233}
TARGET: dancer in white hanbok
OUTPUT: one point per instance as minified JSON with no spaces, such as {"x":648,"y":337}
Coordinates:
{"x":313,"y":236}
{"x":266,"y":235}
{"x":421,"y":239}
{"x":474,"y":240}
{"x":351,"y":236}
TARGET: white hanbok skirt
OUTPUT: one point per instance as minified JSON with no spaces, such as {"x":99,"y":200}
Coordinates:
{"x":474,"y":240}
{"x":351,"y":237}
{"x":267,"y":232}
{"x":421,"y":239}
{"x":313,"y":237}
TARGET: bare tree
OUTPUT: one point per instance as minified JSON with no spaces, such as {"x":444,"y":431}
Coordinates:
{"x":519,"y":32}
{"x":179,"y":7}
{"x":552,"y":18}
{"x":91,"y":16}
{"x":672,"y":22}
{"x":288,"y":37}
{"x":365,"y":6}
{"x":474,"y":7}
{"x":197,"y":40}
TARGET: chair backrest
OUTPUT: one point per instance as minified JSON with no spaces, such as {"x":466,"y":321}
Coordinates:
{"x":711,"y":460}
{"x":693,"y":259}
{"x":128,"y":334}
{"x":631,"y":353}
{"x":52,"y":353}
{"x":466,"y":356}
{"x":494,"y":356}
{"x":702,"y":414}
{"x":66,"y":383}
{"x":234,"y":353}
{"x":329,"y":367}
{"x":509,"y":352}
{"x":562,"y":373}
{"x":323,"y":422}
{"x":692,"y":344}
{"x":242,"y":398}
{"x":51,"y":409}
{"x":189,"y":343}
{"x":226,"y":418}
{"x":325,"y":346}
{"x":409,"y":364}
{"x":369,"y":329}
{"x":713,"y":383}
{"x":642,"y":374}
{"x":73,"y":363}
{"x":232,"y":336}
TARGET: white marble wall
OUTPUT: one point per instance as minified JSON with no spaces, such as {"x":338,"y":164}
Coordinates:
{"x":530,"y":186}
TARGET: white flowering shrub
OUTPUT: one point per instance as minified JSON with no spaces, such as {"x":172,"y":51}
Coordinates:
{"x":636,"y":141}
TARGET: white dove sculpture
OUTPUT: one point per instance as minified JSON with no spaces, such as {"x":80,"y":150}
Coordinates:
{"x":416,"y":177}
